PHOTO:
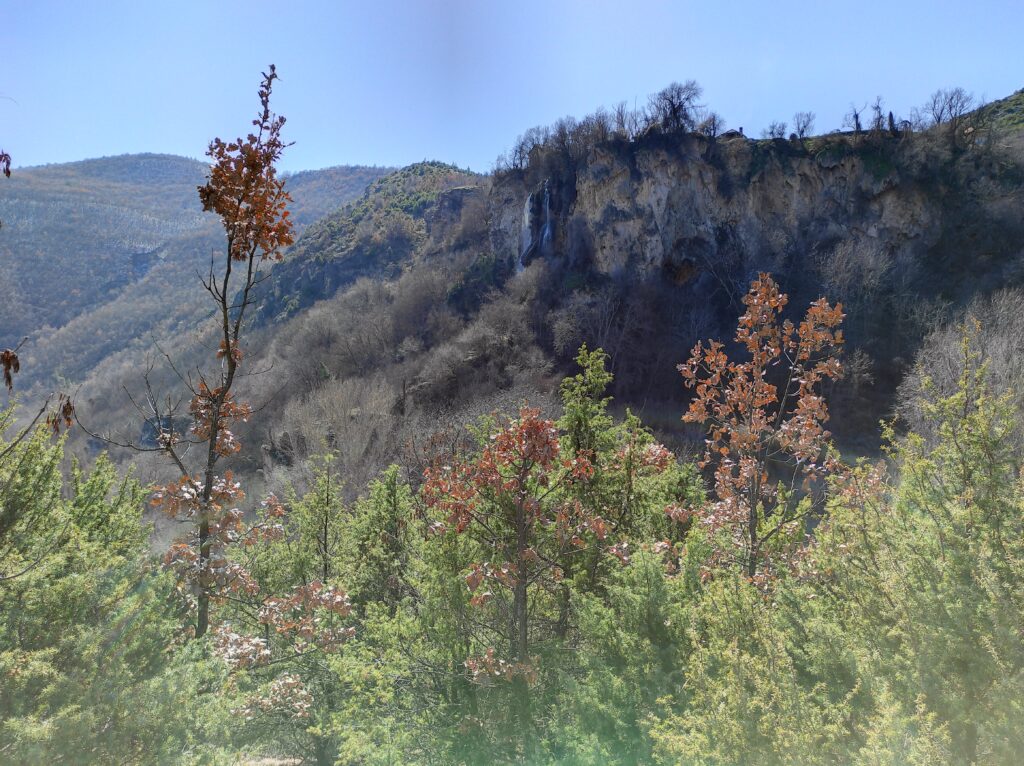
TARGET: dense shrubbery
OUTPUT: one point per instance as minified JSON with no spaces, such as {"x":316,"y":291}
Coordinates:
{"x":554,"y":592}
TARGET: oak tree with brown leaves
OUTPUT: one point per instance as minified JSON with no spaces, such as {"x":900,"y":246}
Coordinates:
{"x":540,"y":503}
{"x":244,"y":190}
{"x":511,"y":499}
{"x":765,"y":423}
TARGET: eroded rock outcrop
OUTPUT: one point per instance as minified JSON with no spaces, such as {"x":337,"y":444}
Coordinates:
{"x":691,"y":205}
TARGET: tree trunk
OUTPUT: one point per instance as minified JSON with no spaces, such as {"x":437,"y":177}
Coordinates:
{"x":203,"y":617}
{"x":323,"y":751}
{"x":521,"y":646}
{"x":562,"y":627}
{"x":752,"y":540}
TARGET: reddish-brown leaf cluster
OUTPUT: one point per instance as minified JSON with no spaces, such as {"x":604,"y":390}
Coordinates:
{"x":311,"y":617}
{"x":488,"y":668}
{"x":518,"y":498}
{"x":183,"y":498}
{"x":11,"y":365}
{"x":525,"y":449}
{"x":215,"y":574}
{"x":620,"y":550}
{"x":62,"y":415}
{"x":762,"y":416}
{"x":243,"y":187}
{"x":240,"y":650}
{"x":513,"y":482}
{"x":236,"y":353}
{"x":215,"y":408}
{"x":286,"y":696}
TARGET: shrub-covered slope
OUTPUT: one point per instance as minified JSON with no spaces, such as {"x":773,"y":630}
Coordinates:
{"x":99,"y":252}
{"x":439,"y":291}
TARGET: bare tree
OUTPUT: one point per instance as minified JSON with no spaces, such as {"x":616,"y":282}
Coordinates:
{"x":597,"y":127}
{"x":852,"y":119}
{"x":623,"y":121}
{"x":950,"y":107}
{"x":774,"y":130}
{"x":709,"y":123}
{"x":877,"y":117}
{"x":993,"y":329}
{"x":674,"y":107}
{"x":519,"y":156}
{"x":803,"y":124}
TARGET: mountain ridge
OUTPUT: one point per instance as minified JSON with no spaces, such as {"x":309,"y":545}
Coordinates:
{"x":83,"y":237}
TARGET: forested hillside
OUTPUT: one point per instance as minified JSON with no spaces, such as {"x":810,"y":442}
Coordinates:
{"x":441,"y":295}
{"x":578,"y":462}
{"x":101,"y":253}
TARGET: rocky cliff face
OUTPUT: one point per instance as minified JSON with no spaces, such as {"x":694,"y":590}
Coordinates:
{"x":643,"y":247}
{"x":694,"y":211}
{"x":680,"y":208}
{"x":903,"y":231}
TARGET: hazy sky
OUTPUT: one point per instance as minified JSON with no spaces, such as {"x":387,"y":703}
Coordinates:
{"x":384,"y":82}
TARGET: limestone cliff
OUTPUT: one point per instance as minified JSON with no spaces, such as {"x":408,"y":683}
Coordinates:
{"x":643,"y":246}
{"x":682,"y":207}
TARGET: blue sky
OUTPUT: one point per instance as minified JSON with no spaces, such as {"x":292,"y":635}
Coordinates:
{"x":388,"y":82}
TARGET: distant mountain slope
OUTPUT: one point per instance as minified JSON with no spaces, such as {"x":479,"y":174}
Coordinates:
{"x":74,"y":235}
{"x":95,"y":253}
{"x":315,"y":193}
{"x":370,"y":236}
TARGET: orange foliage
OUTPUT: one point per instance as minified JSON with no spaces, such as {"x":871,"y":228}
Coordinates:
{"x":243,"y":188}
{"x":516,"y":499}
{"x":757,"y":429}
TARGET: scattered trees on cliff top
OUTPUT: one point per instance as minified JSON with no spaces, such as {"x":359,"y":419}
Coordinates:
{"x":672,"y":109}
{"x":676,"y":109}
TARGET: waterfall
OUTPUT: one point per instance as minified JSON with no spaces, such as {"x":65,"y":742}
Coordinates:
{"x":527,"y":234}
{"x":530,"y":248}
{"x":546,"y":230}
